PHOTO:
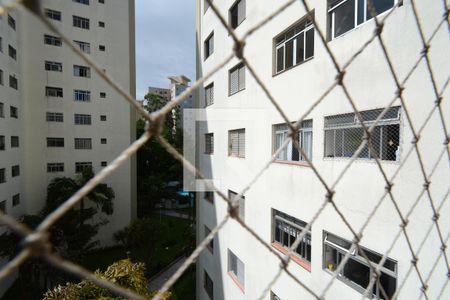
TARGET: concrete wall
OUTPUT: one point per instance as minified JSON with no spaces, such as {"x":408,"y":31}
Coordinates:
{"x":295,"y":189}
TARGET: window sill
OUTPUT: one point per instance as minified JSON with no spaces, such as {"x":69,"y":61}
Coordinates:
{"x":236,"y":156}
{"x":229,"y":95}
{"x":236,"y":281}
{"x":293,"y":163}
{"x":293,"y":67}
{"x":361,"y":159}
{"x":302,"y":263}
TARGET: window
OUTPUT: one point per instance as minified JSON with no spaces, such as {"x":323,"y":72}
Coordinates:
{"x":101,"y":47}
{"x":53,"y":92}
{"x":236,"y":143}
{"x":209,"y":94}
{"x":13,"y":82}
{"x":209,"y":143}
{"x":14,"y":141}
{"x":236,"y":79}
{"x":85,"y":47}
{"x":209,"y":45}
{"x":357,"y":272}
{"x":344,"y":135}
{"x":55,"y":167}
{"x":12,"y":52}
{"x":103,"y":141}
{"x":13,"y":112}
{"x":2,"y":110}
{"x":53,"y":14}
{"x":101,"y":1}
{"x":81,"y":119}
{"x":237,"y":13}
{"x":2,"y":175}
{"x":54,"y":117}
{"x":2,"y":142}
{"x":294,"y":46}
{"x":236,"y":269}
{"x":209,"y":196}
{"x":101,"y":24}
{"x":11,"y":22}
{"x":304,"y":138}
{"x":233,"y":197}
{"x":15,"y":171}
{"x":80,"y":166}
{"x":1,"y":77}
{"x":208,"y":285}
{"x":3,"y":204}
{"x":55,"y":142}
{"x":285,"y":230}
{"x":86,"y":2}
{"x":104,"y":163}
{"x":53,"y":66}
{"x":210,"y":245}
{"x":344,"y":15}
{"x":102,"y":118}
{"x":80,"y":22}
{"x":52,"y":40}
{"x":1,"y":44}
{"x":83,"y":143}
{"x":273,"y":296}
{"x":80,"y":95}
{"x":81,"y":71}
{"x":16,"y":200}
{"x":102,"y":95}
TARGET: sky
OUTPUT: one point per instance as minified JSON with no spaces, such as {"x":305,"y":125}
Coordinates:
{"x":165,"y":42}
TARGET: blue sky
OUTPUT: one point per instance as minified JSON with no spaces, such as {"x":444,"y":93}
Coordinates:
{"x":165,"y":42}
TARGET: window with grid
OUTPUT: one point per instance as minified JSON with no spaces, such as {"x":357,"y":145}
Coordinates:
{"x":344,"y":134}
{"x":103,"y":141}
{"x":236,"y":79}
{"x":53,"y":66}
{"x":294,"y":46}
{"x":209,"y":45}
{"x":286,"y":229}
{"x":13,"y":82}
{"x":2,"y":175}
{"x":208,"y":285}
{"x":11,"y":22}
{"x":15,"y":171}
{"x":1,"y":77}
{"x":52,"y":40}
{"x":83,"y":143}
{"x":55,"y":142}
{"x":53,"y":92}
{"x":53,"y":14}
{"x":103,"y":118}
{"x":241,"y":200}
{"x":2,"y":110}
{"x":357,"y":272}
{"x":237,"y":13}
{"x":81,"y":119}
{"x":54,"y":117}
{"x":84,"y":46}
{"x":103,"y":163}
{"x":13,"y":112}
{"x":16,"y":200}
{"x":12,"y":52}
{"x":101,"y":24}
{"x":209,"y":94}
{"x":1,"y":44}
{"x":102,"y":47}
{"x":82,"y":95}
{"x":2,"y":203}
{"x":236,"y":143}
{"x":209,"y":143}
{"x":236,"y":269}
{"x":304,"y":138}
{"x":344,"y":15}
{"x":2,"y":142}
{"x":80,"y":166}
{"x":55,"y":167}
{"x":81,"y":71}
{"x":210,"y":245}
{"x":86,"y":2}
{"x":80,"y":22}
{"x":14,"y":141}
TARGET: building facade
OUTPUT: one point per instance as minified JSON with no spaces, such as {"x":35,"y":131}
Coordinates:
{"x":243,"y":130}
{"x":57,"y":115}
{"x":165,"y":93}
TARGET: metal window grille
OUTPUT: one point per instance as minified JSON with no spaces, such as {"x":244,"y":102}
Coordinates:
{"x":209,"y":143}
{"x":55,"y":167}
{"x":83,"y":143}
{"x":80,"y":166}
{"x":81,"y":71}
{"x":14,"y":141}
{"x":236,"y":78}
{"x":54,"y":117}
{"x":52,"y":40}
{"x":53,"y":92}
{"x":209,"y":94}
{"x":53,"y":66}
{"x":81,"y":119}
{"x":80,"y":22}
{"x":236,"y":142}
{"x":85,"y":2}
{"x":81,"y":95}
{"x":55,"y":142}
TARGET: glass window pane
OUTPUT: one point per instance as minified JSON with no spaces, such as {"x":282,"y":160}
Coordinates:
{"x":380,"y":6}
{"x":361,"y":9}
{"x":309,"y":43}
{"x":280,"y":59}
{"x":344,"y":18}
{"x":300,"y":48}
{"x":289,"y":53}
{"x":357,"y":272}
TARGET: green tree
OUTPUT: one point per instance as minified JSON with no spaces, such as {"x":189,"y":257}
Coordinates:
{"x":125,"y":273}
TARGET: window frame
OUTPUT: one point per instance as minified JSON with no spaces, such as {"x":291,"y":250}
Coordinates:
{"x":302,"y":133}
{"x":234,"y":273}
{"x":15,"y":171}
{"x":81,"y":71}
{"x":354,"y":256}
{"x":237,"y":68}
{"x":55,"y":167}
{"x":53,"y":14}
{"x":235,"y":5}
{"x":209,"y":94}
{"x":239,"y":132}
{"x":57,"y":117}
{"x":55,"y":142}
{"x":14,"y":141}
{"x":81,"y":22}
{"x":210,"y":245}
{"x":53,"y":66}
{"x":208,"y":292}
{"x":208,"y":46}
{"x":82,"y":119}
{"x":82,"y":143}
{"x":82,"y":95}
{"x":52,"y":40}
{"x":84,"y":46}
{"x":80,"y":166}
{"x":209,"y":143}
{"x":16,"y":199}
{"x":232,"y":195}
{"x":54,"y":92}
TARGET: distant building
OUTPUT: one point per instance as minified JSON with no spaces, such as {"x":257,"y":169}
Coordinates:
{"x":160,"y":91}
{"x":178,"y":84}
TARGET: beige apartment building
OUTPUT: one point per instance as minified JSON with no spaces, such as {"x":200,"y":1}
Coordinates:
{"x":242,"y":130}
{"x":57,"y":115}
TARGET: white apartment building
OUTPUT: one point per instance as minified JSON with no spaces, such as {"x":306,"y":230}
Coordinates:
{"x":56,"y":114}
{"x":243,"y":130}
